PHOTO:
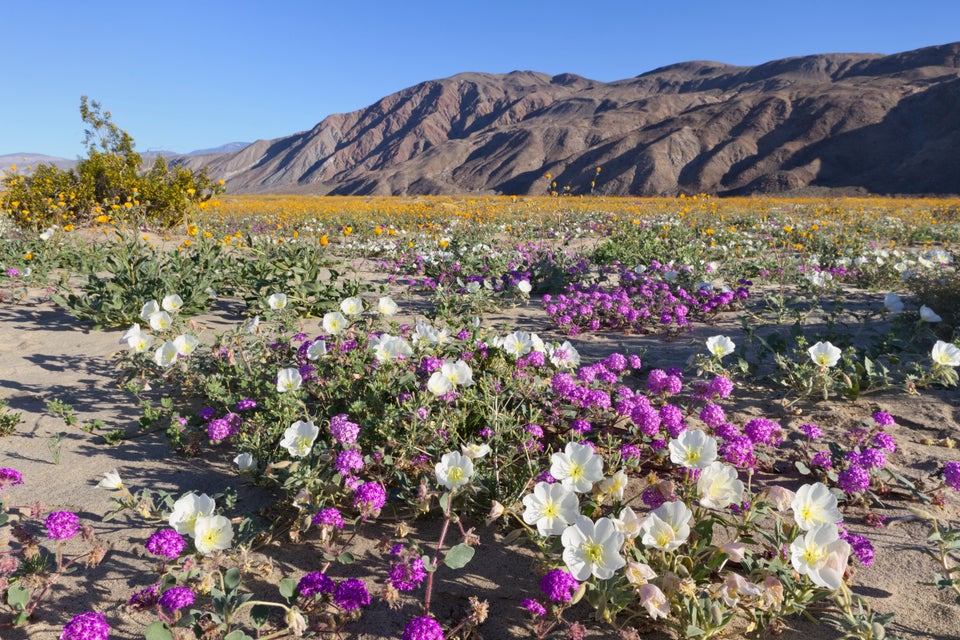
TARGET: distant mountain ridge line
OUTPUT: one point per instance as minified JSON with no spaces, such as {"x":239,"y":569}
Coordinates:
{"x":818,"y":124}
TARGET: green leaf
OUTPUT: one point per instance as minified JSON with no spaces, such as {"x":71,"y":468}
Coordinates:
{"x":18,"y":597}
{"x":259,"y":614}
{"x":458,"y":557}
{"x":445,"y":502}
{"x":158,"y":631}
{"x":288,"y":587}
{"x":237,"y":635}
{"x":346,"y":558}
{"x":231,"y":579}
{"x":802,"y":468}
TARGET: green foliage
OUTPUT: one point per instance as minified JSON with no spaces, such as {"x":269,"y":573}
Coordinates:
{"x":109,"y":181}
{"x":8,"y":419}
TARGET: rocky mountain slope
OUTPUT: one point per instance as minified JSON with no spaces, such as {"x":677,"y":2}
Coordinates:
{"x":850,"y":122}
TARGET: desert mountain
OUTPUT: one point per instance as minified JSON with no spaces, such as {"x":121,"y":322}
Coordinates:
{"x":851,"y":122}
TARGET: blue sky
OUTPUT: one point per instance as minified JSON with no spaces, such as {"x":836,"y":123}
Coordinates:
{"x":188,"y":75}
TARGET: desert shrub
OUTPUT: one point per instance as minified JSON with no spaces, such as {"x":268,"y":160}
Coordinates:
{"x":109,"y":181}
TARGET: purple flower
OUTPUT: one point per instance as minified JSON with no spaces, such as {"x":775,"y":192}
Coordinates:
{"x":656,"y":381}
{"x":861,"y":547}
{"x":581,"y":426}
{"x":167,"y":543}
{"x":351,"y":594}
{"x":635,"y":362}
{"x":407,"y":577}
{"x":559,"y":586}
{"x":348,"y":461}
{"x":713,"y":415}
{"x":883,"y":419}
{"x":652,"y":497}
{"x":854,"y":479}
{"x":884,"y":441}
{"x":246,"y":403}
{"x":673,"y":384}
{"x":62,"y":525}
{"x":535,"y":430}
{"x":423,"y":628}
{"x":951,"y":475}
{"x":146,"y":598}
{"x":13,"y":271}
{"x":10,"y":478}
{"x":647,"y":419}
{"x":533,"y":607}
{"x":86,"y":626}
{"x":760,"y":430}
{"x":206,"y":413}
{"x":873,"y":458}
{"x":176,"y":598}
{"x":822,"y":459}
{"x":342,"y":430}
{"x":720,"y":386}
{"x":629,"y":451}
{"x":315,"y":582}
{"x":218,"y":429}
{"x":738,"y":451}
{"x":370,"y":497}
{"x":328,"y":517}
{"x":726,"y":431}
{"x":615,"y":362}
{"x":812,"y":431}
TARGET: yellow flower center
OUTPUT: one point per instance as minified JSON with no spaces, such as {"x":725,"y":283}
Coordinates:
{"x":593,"y":552}
{"x":550,"y":510}
{"x":664,"y":538}
{"x":576,"y":471}
{"x":455,"y":475}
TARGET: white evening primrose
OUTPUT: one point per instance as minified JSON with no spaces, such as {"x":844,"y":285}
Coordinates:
{"x":352,"y":306}
{"x":172,"y":303}
{"x":475,"y":451}
{"x":288,"y":379}
{"x":813,"y":504}
{"x":454,"y":470}
{"x":824,"y":354}
{"x":524,"y":287}
{"x":718,"y":486}
{"x":316,"y":350}
{"x":654,"y":601}
{"x":577,"y":467}
{"x":132,"y":332}
{"x":111,"y":480}
{"x":299,"y":437}
{"x":277,"y":301}
{"x":666,"y":527}
{"x":185,"y":344}
{"x":612,"y":487}
{"x":720,"y":346}
{"x":140,"y":342}
{"x":563,"y":356}
{"x":892,"y":303}
{"x":551,"y":507}
{"x":693,"y":449}
{"x":160,"y":321}
{"x":945,"y":354}
{"x":212,"y":533}
{"x":592,"y":548}
{"x":165,"y":355}
{"x":148,"y":309}
{"x":458,"y":373}
{"x":334,"y":323}
{"x":929,"y":315}
{"x":387,"y":307}
{"x":821,"y":555}
{"x":187,"y":509}
{"x":245,"y":462}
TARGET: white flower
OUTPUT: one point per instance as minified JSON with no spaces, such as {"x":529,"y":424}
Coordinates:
{"x":824,"y":354}
{"x":736,"y":586}
{"x":666,"y":527}
{"x":475,"y":451}
{"x":520,"y":343}
{"x":946,"y":354}
{"x":288,"y":379}
{"x":140,"y":342}
{"x":160,"y":320}
{"x":720,"y":346}
{"x":299,"y":437}
{"x":821,"y":555}
{"x":245,"y":462}
{"x":388,"y":347}
{"x":718,"y":486}
{"x":524,"y":287}
{"x":212,"y":533}
{"x":277,"y":301}
{"x":187,"y":509}
{"x":316,"y":349}
{"x":639,"y":573}
{"x":251,"y":326}
{"x":628,"y":523}
{"x":454,"y":470}
{"x":46,"y":235}
{"x":111,"y":480}
{"x":386,"y":306}
{"x":148,"y":309}
{"x":551,"y":507}
{"x":165,"y":355}
{"x":439,"y":384}
{"x":893,"y":303}
{"x":132,"y":332}
{"x":814,"y":505}
{"x":352,"y":306}
{"x":654,"y":601}
{"x":577,"y":468}
{"x":613,"y":486}
{"x":780,"y":497}
{"x":694,"y":449}
{"x":736,"y":550}
{"x":592,"y":548}
{"x":334,"y":322}
{"x":425,"y":333}
{"x":185,"y":344}
{"x":458,"y":373}
{"x":172,"y":303}
{"x":929,"y":315}
{"x":473,"y":286}
{"x":563,"y":356}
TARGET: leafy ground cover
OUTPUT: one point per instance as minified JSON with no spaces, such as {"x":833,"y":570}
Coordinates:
{"x":484,"y":418}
